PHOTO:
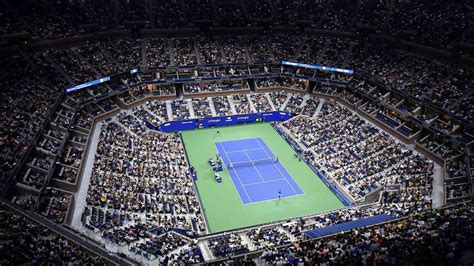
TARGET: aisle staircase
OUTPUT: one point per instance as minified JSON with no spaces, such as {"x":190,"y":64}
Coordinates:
{"x":269,"y":99}
{"x":252,"y":106}
{"x":318,"y":109}
{"x":283,"y":106}
{"x":211,"y":105}
{"x":191,"y":109}
{"x":169,"y":111}
{"x":231,"y":103}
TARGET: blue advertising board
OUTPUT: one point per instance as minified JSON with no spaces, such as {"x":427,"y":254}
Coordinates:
{"x":177,"y":125}
{"x":220,"y":121}
{"x":87,"y":84}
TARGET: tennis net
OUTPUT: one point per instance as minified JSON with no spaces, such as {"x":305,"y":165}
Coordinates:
{"x":252,"y":162}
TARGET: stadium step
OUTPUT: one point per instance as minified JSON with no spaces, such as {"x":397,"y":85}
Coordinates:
{"x":247,"y":54}
{"x":211,"y":105}
{"x":252,"y":106}
{"x":197,"y":52}
{"x":303,"y":103}
{"x":172,"y":51}
{"x":290,"y":235}
{"x":223,"y":55}
{"x":270,"y":50}
{"x":438,"y":197}
{"x":283,"y":106}
{"x":247,"y":241}
{"x":318,"y":109}
{"x":320,"y":54}
{"x":169,"y":110}
{"x":299,"y":49}
{"x":206,"y":253}
{"x":191,"y":109}
{"x":348,"y":53}
{"x":231,"y":103}
{"x":270,"y":101}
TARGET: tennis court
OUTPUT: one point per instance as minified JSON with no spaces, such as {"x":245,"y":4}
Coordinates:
{"x":226,"y":204}
{"x":255,"y":171}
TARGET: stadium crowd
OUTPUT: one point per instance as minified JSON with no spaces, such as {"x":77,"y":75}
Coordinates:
{"x":356,"y":154}
{"x":437,"y":237}
{"x":140,"y":176}
{"x":27,"y":242}
{"x":412,"y":19}
{"x":139,"y":181}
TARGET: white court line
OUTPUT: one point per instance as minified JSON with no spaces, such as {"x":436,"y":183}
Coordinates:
{"x":261,"y":177}
{"x":264,"y":159}
{"x":269,"y":181}
{"x":243,"y":150}
{"x":277,"y":168}
{"x":283,"y":197}
{"x":238,"y":177}
{"x":233,"y":183}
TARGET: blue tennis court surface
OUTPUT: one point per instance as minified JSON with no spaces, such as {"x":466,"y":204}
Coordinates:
{"x":255,"y":173}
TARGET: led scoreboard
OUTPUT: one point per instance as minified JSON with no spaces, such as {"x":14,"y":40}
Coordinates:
{"x":87,"y":84}
{"x":324,"y":68}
